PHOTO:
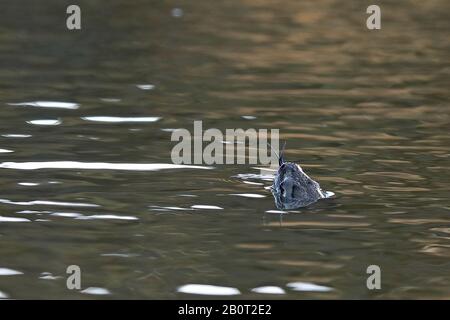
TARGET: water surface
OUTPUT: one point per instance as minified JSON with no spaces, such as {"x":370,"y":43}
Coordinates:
{"x":86,"y":176}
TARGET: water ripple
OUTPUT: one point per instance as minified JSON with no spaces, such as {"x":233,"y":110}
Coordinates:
{"x":13,"y":219}
{"x":269,"y":290}
{"x":9,"y":272}
{"x":306,"y":286}
{"x":106,"y":217}
{"x":206,"y":289}
{"x":120,"y":255}
{"x":45,"y":122}
{"x":48,"y":276}
{"x":121,"y":119}
{"x":48,"y":203}
{"x":96,"y":291}
{"x":47,"y":104}
{"x":28,"y":184}
{"x":95,"y":165}
{"x":200,"y":206}
{"x":66,"y":214}
{"x":16,"y":135}
{"x":248,"y":195}
{"x":145,"y":86}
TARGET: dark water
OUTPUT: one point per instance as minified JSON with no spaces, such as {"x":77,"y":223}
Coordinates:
{"x":366,"y":113}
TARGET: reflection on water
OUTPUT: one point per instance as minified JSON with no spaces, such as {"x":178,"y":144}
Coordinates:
{"x":269,"y":290}
{"x":302,"y":286}
{"x":86,"y":120}
{"x":95,"y":166}
{"x":47,"y":104}
{"x":9,"y":272}
{"x":45,"y":122}
{"x":122,"y":119}
{"x":96,"y":291}
{"x":13,"y":219}
{"x":209,"y":290}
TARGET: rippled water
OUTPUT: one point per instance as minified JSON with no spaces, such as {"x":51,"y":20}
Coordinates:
{"x":86,"y":175}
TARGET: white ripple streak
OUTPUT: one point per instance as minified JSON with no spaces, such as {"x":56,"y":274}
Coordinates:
{"x":48,"y":104}
{"x":307,"y":286}
{"x":206,"y":289}
{"x":9,"y":272}
{"x":269,"y":290}
{"x":45,"y":122}
{"x":107,"y":217}
{"x":96,"y":291}
{"x":48,"y":203}
{"x":248,"y":195}
{"x":13,"y":219}
{"x":121,"y":119}
{"x":95,"y":165}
